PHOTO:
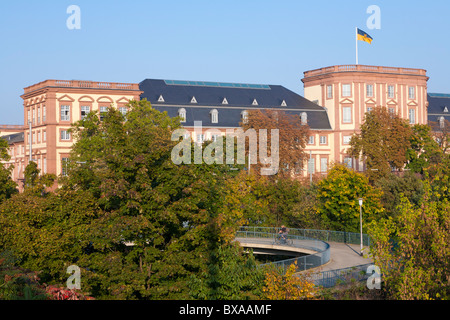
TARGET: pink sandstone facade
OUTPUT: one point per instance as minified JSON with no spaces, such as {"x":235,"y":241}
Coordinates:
{"x":347,"y":92}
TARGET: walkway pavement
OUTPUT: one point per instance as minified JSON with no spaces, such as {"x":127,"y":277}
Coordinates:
{"x":344,"y":255}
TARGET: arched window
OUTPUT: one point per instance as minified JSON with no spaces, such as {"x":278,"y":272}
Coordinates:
{"x":244,"y":116}
{"x":304,"y":118}
{"x":182,"y":114}
{"x":442,"y":122}
{"x":214,"y":116}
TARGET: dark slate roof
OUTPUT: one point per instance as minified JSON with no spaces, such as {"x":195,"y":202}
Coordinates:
{"x":437,"y":104}
{"x":14,"y":138}
{"x":240,"y":97}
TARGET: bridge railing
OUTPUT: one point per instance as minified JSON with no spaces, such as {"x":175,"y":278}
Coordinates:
{"x":322,"y":249}
{"x":323,"y":235}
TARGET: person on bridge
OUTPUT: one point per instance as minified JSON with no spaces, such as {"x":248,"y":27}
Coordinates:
{"x":282,"y":234}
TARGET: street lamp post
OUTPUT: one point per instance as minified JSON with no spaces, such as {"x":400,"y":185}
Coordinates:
{"x":360,"y":223}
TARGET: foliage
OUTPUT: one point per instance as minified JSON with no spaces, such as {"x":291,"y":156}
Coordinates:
{"x":383,"y":142}
{"x":35,"y":183}
{"x":235,"y":277}
{"x":288,"y":285}
{"x":293,"y":136}
{"x":7,"y":186}
{"x":424,"y":151}
{"x":338,"y":195}
{"x":412,"y":250}
{"x":394,"y":188}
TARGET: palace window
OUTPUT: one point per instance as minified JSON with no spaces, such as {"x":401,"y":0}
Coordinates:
{"x":329,"y":92}
{"x":391,"y":92}
{"x":84,"y":111}
{"x":411,"y":93}
{"x":347,"y":114}
{"x":346,"y":90}
{"x":369,"y":90}
{"x":103,"y":112}
{"x":65,"y":135}
{"x":214,"y":116}
{"x":412,"y":116}
{"x":182,"y":114}
{"x":65,"y":113}
{"x":304,"y":118}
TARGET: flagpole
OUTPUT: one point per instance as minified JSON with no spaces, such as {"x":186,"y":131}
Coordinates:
{"x":356,"y":37}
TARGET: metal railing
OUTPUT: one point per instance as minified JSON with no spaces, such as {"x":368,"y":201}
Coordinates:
{"x":268,"y":235}
{"x":331,"y":278}
{"x":314,"y":240}
{"x":323,"y":235}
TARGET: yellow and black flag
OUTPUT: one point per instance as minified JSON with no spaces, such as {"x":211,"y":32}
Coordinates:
{"x":363,"y":36}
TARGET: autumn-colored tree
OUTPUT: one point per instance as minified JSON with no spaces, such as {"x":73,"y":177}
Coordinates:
{"x":337,"y":199}
{"x":382,"y":143}
{"x":293,"y":136}
{"x":412,"y":249}
{"x":289,"y":285}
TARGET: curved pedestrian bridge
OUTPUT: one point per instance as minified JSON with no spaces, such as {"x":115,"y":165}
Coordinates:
{"x":325,"y":250}
{"x":308,"y":253}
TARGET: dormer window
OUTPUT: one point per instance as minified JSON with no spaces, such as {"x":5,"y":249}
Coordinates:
{"x":442,"y":122}
{"x":445,"y":110}
{"x":304,"y":118}
{"x":214,"y":116}
{"x":244,"y":116}
{"x":161,"y":99}
{"x":182,"y":114}
{"x":193,"y":100}
{"x":225,"y":101}
{"x":284,"y":104}
{"x":255,"y":102}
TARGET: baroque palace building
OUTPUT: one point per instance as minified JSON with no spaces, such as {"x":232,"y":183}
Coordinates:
{"x":334,"y":103}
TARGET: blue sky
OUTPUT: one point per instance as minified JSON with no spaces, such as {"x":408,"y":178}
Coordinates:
{"x":245,"y":41}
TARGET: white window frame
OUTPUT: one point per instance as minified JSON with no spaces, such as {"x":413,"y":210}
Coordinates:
{"x":412,"y":116}
{"x":391,"y":92}
{"x":346,"y":90}
{"x":64,"y":166}
{"x":311,"y":140}
{"x":214,"y":116}
{"x":304,"y":118}
{"x":347,"y":115}
{"x":84,"y":111}
{"x":346,"y":140}
{"x":65,"y":135}
{"x":411,"y":93}
{"x":323,"y":139}
{"x":323,"y":165}
{"x":329,"y":91}
{"x":182,"y":115}
{"x":65,"y":113}
{"x":369,"y":90}
{"x":103,"y":111}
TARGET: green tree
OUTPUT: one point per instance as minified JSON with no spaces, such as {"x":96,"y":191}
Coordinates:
{"x":160,"y":223}
{"x":337,"y":199}
{"x":412,"y":249}
{"x":382,"y":143}
{"x":7,"y":186}
{"x":424,"y":151}
{"x":394,"y":188}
